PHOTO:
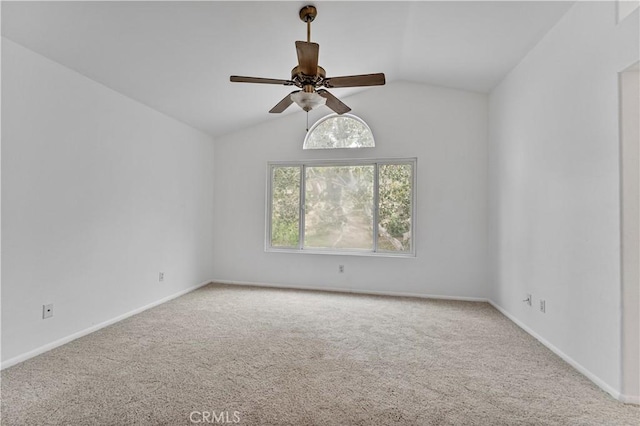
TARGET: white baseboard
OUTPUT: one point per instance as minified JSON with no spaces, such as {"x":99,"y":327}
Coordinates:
{"x":629,"y":399}
{"x":351,"y":290}
{"x":45,"y":348}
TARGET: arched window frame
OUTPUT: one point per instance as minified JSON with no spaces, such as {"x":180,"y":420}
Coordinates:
{"x":332,"y":116}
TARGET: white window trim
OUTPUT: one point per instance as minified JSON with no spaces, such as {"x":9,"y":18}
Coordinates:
{"x":327,"y":117}
{"x":341,"y":162}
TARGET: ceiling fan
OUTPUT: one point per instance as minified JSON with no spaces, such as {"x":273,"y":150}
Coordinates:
{"x":311,"y":78}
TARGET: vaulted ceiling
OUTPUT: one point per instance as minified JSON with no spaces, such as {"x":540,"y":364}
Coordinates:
{"x":177,"y":57}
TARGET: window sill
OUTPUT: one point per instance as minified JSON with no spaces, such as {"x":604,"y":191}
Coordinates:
{"x":409,"y":255}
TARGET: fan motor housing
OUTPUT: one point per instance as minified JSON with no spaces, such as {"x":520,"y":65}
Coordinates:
{"x":303,"y":79}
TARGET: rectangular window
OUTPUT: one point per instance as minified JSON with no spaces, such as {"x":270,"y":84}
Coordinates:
{"x":347,"y":206}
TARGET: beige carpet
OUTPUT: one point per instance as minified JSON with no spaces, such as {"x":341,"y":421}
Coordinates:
{"x":284,"y":357}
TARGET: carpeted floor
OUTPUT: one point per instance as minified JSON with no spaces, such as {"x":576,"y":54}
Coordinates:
{"x":285,"y":357}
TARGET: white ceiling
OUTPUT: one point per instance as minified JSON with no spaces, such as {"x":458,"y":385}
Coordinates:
{"x":177,"y":57}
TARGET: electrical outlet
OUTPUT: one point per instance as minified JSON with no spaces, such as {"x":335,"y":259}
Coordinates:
{"x":341,"y":268}
{"x":161,"y":276}
{"x":47,"y":311}
{"x":543,"y":306}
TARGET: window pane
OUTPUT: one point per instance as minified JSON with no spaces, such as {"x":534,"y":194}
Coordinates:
{"x":285,"y":207}
{"x":338,"y":207}
{"x":394,"y":212}
{"x":339,"y":131}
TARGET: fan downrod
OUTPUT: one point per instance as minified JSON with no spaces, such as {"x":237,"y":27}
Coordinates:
{"x":308,"y":14}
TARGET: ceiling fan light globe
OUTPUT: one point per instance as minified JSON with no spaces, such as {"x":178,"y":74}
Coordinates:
{"x":307,"y":101}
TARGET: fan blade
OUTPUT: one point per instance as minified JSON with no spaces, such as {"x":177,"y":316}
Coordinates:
{"x":283,"y":104}
{"x":308,"y":57}
{"x":333,"y":102}
{"x":355,"y":80}
{"x":240,"y":79}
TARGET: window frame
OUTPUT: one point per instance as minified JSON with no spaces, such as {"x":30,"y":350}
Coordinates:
{"x":303,"y":164}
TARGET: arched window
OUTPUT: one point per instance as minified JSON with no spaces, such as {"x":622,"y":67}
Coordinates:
{"x":339,"y":131}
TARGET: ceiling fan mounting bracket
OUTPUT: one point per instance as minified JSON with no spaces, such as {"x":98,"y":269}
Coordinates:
{"x":308,"y":13}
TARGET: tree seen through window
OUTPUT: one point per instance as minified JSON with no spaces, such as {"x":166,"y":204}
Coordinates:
{"x":339,"y":131}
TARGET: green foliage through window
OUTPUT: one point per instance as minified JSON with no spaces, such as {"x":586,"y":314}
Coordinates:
{"x":285,"y":206}
{"x":338,"y":204}
{"x":394,"y":211}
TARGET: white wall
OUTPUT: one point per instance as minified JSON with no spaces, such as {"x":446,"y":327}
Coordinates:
{"x":554,"y":187}
{"x":630,"y":173}
{"x":99,"y":194}
{"x":445,"y":129}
